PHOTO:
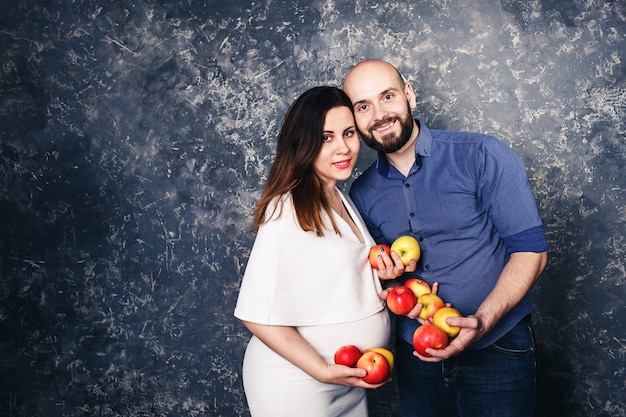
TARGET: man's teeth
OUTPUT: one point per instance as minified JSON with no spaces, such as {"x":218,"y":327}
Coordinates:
{"x":384,"y":127}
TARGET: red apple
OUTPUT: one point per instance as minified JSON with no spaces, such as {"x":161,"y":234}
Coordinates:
{"x":347,"y":355}
{"x":439,"y":320}
{"x":430,"y":304}
{"x":386,"y":353}
{"x":376,"y":366}
{"x":418,"y":286}
{"x":401,"y":300}
{"x":375,"y":251}
{"x":429,"y":336}
{"x":407,"y":248}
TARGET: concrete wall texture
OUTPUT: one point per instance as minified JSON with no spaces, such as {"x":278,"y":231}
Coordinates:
{"x":136,"y":135}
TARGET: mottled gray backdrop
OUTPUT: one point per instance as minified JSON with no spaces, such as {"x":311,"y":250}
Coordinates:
{"x":135,"y":136}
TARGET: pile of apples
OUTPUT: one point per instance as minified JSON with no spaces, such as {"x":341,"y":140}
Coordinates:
{"x":435,"y":333}
{"x":378,"y":362}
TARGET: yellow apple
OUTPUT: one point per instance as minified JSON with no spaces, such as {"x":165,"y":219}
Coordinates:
{"x":439,"y":320}
{"x":430,"y":304}
{"x":407,"y":248}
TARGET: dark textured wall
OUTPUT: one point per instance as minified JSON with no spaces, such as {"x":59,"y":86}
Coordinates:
{"x":134,"y":141}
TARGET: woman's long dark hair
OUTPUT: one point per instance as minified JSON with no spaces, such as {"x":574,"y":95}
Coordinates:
{"x":299,"y":143}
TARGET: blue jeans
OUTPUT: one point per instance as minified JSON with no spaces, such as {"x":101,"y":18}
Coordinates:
{"x":497,"y":381}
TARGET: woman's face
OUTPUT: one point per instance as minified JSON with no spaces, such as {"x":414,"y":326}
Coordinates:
{"x":340,"y":147}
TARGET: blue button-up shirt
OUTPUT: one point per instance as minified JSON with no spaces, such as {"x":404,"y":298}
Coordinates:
{"x":465,"y":195}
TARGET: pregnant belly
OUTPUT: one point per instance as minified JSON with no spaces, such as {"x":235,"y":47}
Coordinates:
{"x":373,"y":331}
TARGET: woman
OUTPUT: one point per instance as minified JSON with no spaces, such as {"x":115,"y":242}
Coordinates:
{"x":308,"y":287}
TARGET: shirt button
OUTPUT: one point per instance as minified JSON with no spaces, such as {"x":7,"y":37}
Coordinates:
{"x":421,"y":239}
{"x":411,"y":214}
{"x":427,"y":267}
{"x":407,"y":185}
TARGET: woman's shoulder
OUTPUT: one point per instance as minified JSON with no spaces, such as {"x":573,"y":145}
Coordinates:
{"x":279,"y":206}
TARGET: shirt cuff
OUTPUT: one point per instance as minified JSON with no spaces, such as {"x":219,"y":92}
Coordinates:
{"x":530,"y":240}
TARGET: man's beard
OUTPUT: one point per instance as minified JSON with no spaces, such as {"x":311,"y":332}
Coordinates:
{"x":391,"y":143}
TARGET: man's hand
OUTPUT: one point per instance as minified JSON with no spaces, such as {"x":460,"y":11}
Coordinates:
{"x":470,"y":332}
{"x":516,"y":279}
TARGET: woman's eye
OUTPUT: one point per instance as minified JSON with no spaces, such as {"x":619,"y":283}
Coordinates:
{"x":326,"y":138}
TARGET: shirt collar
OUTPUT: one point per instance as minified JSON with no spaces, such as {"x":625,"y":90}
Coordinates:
{"x":423,"y":147}
{"x":424,"y":142}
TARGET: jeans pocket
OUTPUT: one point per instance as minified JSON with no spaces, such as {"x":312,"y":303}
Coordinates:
{"x":519,"y":341}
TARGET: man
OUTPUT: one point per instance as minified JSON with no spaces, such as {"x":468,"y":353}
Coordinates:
{"x":466,"y":198}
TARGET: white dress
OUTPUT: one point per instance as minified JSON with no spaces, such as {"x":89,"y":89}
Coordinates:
{"x":323,"y":286}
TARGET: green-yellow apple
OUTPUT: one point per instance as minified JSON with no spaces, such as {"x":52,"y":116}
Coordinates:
{"x":407,"y":248}
{"x":439,"y":320}
{"x":401,"y":300}
{"x":376,"y":366}
{"x":429,"y":336}
{"x":347,"y":355}
{"x":386,"y":353}
{"x":375,"y":251}
{"x":430,"y":304}
{"x":418,"y":286}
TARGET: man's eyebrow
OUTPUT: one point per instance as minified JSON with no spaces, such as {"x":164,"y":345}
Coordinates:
{"x":382,"y":93}
{"x":389,"y":90}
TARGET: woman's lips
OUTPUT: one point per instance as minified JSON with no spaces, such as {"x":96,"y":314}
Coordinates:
{"x":342,"y":164}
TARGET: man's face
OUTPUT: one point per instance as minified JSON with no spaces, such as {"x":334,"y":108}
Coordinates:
{"x":382,"y":105}
{"x":381,"y":136}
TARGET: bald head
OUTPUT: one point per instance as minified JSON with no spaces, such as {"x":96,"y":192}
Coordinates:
{"x":363,"y":75}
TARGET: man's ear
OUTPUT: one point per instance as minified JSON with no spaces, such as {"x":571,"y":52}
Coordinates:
{"x":410,"y":95}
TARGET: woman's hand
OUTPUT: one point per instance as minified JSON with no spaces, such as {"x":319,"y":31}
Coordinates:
{"x":344,"y":375}
{"x":391,"y":267}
